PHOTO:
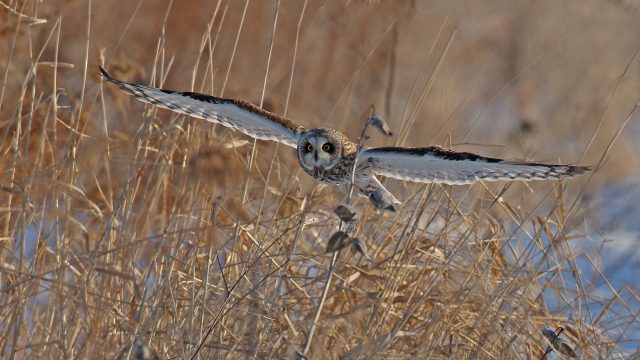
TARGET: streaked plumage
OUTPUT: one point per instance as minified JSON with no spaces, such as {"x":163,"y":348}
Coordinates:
{"x":329,"y":156}
{"x":559,"y":343}
{"x":240,"y":115}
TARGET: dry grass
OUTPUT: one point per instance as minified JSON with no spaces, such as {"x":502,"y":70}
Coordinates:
{"x":121,"y":222}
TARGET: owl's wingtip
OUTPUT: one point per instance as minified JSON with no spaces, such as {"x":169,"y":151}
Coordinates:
{"x":104,"y":73}
{"x":573,"y":170}
{"x":108,"y":76}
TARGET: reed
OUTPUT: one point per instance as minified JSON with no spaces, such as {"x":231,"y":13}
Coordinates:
{"x":121,"y":223}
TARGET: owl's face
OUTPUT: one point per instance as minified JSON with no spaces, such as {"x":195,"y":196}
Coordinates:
{"x":319,"y":150}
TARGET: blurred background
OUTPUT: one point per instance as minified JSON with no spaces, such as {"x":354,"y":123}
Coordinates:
{"x":122,"y":222}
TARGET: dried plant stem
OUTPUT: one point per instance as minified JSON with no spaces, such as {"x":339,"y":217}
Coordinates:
{"x":323,"y":297}
{"x":361,"y":141}
{"x":108,"y":232}
{"x":406,"y":128}
{"x":235,"y":46}
{"x":608,"y":106}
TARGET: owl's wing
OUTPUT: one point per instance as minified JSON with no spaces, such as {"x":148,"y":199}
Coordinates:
{"x":563,"y":347}
{"x":240,"y":115}
{"x":437,"y":165}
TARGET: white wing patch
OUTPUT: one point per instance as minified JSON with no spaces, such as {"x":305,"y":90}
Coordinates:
{"x":437,"y":165}
{"x":242,"y":116}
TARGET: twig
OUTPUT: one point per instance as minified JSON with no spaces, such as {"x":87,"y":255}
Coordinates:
{"x":546,"y":352}
{"x":608,"y":106}
{"x":325,"y":291}
{"x":361,"y":140}
{"x":404,"y":130}
{"x":23,"y":17}
{"x":235,"y":46}
{"x":224,"y":309}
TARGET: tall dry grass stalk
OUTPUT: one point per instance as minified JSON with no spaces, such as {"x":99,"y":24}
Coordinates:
{"x":120,"y":223}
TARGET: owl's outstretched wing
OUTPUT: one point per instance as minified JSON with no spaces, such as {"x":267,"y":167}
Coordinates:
{"x":240,"y":115}
{"x":437,"y":165}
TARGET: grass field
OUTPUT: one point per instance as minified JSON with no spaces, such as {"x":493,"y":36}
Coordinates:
{"x":121,"y":222}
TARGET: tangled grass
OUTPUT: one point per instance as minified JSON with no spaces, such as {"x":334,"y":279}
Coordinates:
{"x":121,"y":223}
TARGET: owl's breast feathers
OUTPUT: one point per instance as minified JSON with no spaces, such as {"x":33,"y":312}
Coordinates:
{"x":341,"y":172}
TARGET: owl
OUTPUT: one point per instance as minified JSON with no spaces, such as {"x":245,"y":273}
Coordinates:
{"x":559,"y":343}
{"x":330,"y":157}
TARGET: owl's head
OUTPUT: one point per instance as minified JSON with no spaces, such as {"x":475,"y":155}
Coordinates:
{"x":319,"y":149}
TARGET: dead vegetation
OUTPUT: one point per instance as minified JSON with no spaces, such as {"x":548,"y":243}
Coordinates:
{"x":121,"y":223}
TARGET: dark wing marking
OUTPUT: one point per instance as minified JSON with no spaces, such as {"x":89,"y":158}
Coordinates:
{"x":437,"y":165}
{"x":240,"y":115}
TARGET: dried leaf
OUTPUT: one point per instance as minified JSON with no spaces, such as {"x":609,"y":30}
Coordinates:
{"x":358,"y":246}
{"x":339,"y":240}
{"x":379,"y":124}
{"x":345,"y":213}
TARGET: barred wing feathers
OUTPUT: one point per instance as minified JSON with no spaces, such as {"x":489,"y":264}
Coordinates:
{"x":437,"y":165}
{"x":240,"y":115}
{"x":559,"y":343}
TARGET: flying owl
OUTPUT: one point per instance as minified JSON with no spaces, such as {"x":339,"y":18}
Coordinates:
{"x":558,"y":343}
{"x":329,"y":156}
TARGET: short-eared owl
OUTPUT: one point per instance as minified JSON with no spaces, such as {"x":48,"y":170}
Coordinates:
{"x":558,"y":343}
{"x":329,"y":156}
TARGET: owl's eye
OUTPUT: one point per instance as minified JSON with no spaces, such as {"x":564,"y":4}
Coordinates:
{"x":309,"y":148}
{"x":327,"y":147}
